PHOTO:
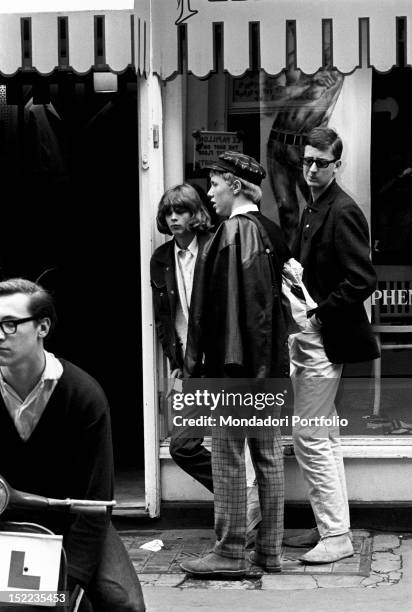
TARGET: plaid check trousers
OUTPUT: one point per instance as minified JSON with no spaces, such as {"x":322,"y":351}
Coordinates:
{"x":229,"y":481}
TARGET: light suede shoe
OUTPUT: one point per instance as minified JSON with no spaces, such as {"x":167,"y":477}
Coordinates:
{"x":213,"y":564}
{"x":329,"y":550}
{"x":309,"y":537}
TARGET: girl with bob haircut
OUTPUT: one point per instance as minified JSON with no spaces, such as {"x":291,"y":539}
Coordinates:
{"x":183,"y":198}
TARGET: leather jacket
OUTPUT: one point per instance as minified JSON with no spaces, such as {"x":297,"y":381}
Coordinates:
{"x":244,"y":328}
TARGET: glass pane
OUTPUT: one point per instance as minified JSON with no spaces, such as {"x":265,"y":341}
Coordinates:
{"x":267,"y":117}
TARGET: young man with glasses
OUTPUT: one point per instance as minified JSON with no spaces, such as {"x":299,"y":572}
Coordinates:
{"x":333,"y":247}
{"x":55,"y":440}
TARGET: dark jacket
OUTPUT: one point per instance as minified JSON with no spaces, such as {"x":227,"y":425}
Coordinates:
{"x":165,"y":296}
{"x":244,"y":328}
{"x":333,"y":247}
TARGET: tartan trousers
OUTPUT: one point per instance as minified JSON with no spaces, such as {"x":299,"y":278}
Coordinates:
{"x":229,"y":481}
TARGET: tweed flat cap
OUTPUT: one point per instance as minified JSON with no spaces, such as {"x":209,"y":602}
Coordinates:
{"x":239,"y":164}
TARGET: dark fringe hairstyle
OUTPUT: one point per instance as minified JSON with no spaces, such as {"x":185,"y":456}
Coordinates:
{"x":183,"y":196}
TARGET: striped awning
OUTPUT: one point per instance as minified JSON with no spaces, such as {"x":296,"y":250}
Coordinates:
{"x":305,"y":34}
{"x":80,"y":40}
{"x":323,"y":32}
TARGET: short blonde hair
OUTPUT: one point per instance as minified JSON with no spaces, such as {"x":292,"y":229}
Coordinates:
{"x":249,"y":190}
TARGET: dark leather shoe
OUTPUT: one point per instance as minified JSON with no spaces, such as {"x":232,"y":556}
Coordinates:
{"x":309,"y":537}
{"x":272,"y":568}
{"x":213,"y":564}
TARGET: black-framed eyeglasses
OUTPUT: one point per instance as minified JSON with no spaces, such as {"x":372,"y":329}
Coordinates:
{"x":320,"y":162}
{"x":10,"y":327}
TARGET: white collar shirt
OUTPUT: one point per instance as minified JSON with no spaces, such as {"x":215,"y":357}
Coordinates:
{"x":245,"y":208}
{"x":26,"y":413}
{"x":185,"y":261}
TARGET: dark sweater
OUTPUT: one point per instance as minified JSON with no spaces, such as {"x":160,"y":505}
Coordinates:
{"x":69,"y":454}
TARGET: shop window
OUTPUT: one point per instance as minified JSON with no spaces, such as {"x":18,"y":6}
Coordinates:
{"x":391,"y":167}
{"x":267,"y":116}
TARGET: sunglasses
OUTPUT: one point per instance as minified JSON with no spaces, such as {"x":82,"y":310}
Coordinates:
{"x":318,"y":161}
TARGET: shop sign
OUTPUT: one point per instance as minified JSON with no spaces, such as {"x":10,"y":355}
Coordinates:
{"x":209,"y":145}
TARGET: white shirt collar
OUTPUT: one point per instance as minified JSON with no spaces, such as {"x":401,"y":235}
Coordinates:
{"x":27,"y":412}
{"x":244,"y":208}
{"x":193,"y":247}
{"x":53,"y":369}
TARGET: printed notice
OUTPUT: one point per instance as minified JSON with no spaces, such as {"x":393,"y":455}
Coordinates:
{"x":209,"y":145}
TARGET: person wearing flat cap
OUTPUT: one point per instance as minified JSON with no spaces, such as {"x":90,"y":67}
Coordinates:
{"x":244,"y":336}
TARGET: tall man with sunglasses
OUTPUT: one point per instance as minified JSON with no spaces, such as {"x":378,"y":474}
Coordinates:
{"x":333,"y":247}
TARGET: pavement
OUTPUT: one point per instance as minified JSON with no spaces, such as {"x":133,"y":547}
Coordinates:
{"x":377,"y":578}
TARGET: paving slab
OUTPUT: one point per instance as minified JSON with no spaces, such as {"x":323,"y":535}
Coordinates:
{"x":328,"y":582}
{"x":198,"y":583}
{"x":282,"y":582}
{"x":385,"y":542}
{"x":373,"y":580}
{"x":395,"y":576}
{"x":384,"y":562}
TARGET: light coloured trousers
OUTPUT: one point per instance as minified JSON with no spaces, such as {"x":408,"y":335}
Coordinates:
{"x":317,"y":447}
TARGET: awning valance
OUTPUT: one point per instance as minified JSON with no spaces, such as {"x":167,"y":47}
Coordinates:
{"x":81,"y":40}
{"x":273,"y":17}
{"x":150,"y":33}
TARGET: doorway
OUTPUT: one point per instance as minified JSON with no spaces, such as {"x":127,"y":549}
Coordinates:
{"x":70,"y":185}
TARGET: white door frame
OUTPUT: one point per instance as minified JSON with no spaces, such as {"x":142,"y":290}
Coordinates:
{"x":151,"y":187}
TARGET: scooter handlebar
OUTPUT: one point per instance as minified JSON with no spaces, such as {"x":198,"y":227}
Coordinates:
{"x":12,"y":498}
{"x":91,"y":510}
{"x":82,"y":506}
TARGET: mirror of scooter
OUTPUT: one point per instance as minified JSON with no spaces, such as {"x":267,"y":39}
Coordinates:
{"x":14,"y":498}
{"x":4,"y":495}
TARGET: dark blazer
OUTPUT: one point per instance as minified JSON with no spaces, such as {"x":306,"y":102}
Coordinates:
{"x":333,"y":247}
{"x":165,"y":296}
